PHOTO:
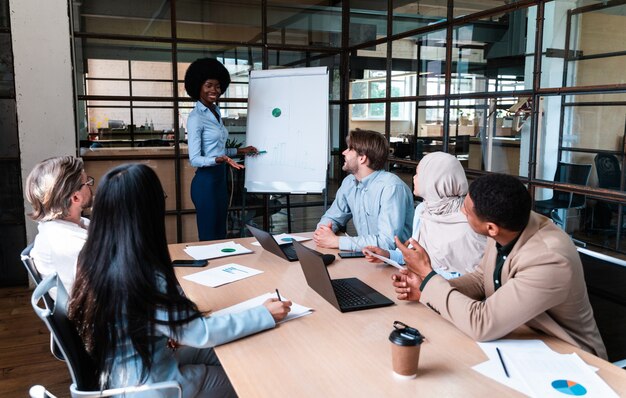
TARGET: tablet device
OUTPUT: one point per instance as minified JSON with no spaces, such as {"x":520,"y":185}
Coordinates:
{"x":189,"y":263}
{"x":351,"y":254}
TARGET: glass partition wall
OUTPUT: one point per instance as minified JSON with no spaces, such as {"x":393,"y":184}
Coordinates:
{"x":527,"y":88}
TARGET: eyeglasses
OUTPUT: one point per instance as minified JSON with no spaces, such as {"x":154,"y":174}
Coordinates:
{"x":89,"y":182}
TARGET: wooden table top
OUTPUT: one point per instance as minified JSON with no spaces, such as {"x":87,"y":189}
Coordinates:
{"x":329,"y":353}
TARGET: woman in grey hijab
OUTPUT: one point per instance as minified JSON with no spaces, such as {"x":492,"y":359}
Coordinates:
{"x":438,"y":224}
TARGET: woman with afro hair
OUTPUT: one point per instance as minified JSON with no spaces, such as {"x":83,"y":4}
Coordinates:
{"x":205,"y":80}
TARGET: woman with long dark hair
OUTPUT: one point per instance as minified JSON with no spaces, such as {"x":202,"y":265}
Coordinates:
{"x":126,"y":301}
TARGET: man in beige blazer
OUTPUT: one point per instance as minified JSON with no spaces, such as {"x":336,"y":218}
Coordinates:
{"x":530,"y":273}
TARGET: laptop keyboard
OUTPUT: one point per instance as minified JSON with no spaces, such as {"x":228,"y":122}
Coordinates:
{"x":347,"y":295}
{"x":290,"y":252}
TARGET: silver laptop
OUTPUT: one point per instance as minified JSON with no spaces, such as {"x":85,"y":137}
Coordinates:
{"x":349,"y":294}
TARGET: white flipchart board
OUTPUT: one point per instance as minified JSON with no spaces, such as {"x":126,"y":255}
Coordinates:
{"x":288,"y":118}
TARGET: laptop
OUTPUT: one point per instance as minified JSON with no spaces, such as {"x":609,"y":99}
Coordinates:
{"x":285,"y":251}
{"x":349,"y":294}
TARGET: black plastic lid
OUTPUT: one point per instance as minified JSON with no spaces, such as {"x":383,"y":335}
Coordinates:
{"x":405,"y":335}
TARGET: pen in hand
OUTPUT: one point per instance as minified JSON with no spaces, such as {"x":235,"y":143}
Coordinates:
{"x":356,"y":245}
{"x":278,"y":295}
{"x":506,"y":372}
{"x":255,"y":153}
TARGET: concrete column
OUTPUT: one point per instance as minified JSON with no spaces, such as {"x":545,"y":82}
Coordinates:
{"x":40,"y":32}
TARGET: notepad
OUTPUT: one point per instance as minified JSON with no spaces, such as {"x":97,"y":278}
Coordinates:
{"x":222,"y":275}
{"x":216,"y":250}
{"x":297,"y":310}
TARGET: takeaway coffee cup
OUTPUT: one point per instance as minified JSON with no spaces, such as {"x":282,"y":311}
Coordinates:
{"x":405,"y":350}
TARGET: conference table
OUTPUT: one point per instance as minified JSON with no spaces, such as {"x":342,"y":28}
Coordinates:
{"x":334,"y":354}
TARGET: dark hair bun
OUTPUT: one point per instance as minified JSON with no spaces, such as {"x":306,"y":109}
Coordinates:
{"x":200,"y":71}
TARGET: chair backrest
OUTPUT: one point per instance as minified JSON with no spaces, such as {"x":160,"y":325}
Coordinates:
{"x":608,"y":169}
{"x":29,"y":264}
{"x":35,"y":276}
{"x":462,"y":144}
{"x":80,"y":364}
{"x":605,"y":277}
{"x":571,"y":173}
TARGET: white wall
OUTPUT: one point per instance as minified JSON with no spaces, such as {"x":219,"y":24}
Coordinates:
{"x":43,"y":83}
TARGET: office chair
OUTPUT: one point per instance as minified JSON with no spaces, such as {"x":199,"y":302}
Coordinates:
{"x":609,"y":171}
{"x":609,"y":177}
{"x":570,"y":173}
{"x":79,"y":363}
{"x":605,"y":277}
{"x":35,"y":276}
{"x":462,"y":144}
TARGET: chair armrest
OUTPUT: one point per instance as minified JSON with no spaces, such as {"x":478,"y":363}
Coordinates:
{"x":39,"y":391}
{"x":164,"y":385}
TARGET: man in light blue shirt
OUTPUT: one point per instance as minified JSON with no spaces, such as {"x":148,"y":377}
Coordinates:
{"x":379,"y":203}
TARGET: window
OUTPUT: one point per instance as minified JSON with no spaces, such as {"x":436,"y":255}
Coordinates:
{"x":374,"y":87}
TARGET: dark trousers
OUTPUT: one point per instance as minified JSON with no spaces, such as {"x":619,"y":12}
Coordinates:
{"x":209,"y":194}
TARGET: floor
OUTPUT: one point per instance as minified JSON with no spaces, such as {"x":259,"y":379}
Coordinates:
{"x":25,"y":357}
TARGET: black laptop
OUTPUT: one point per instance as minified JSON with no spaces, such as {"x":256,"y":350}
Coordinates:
{"x":349,"y":294}
{"x":285,"y":251}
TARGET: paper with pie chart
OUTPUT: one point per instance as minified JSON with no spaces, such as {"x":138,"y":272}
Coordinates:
{"x":558,"y":375}
{"x":216,"y":250}
{"x":537,"y":371}
{"x":284,"y":239}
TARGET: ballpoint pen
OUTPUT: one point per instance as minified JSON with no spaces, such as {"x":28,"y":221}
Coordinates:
{"x":506,"y":372}
{"x":352,"y":240}
{"x":278,"y":295}
{"x":255,"y":153}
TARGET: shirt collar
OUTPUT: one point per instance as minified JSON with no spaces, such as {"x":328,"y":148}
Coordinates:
{"x":203,"y":108}
{"x":367,"y":180}
{"x":506,"y":249}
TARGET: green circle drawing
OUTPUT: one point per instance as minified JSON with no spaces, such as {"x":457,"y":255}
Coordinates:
{"x":276,"y":112}
{"x":228,"y":250}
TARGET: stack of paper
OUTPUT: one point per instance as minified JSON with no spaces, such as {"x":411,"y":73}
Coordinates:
{"x":284,"y":239}
{"x":222,"y":275}
{"x":297,"y":310}
{"x":537,"y":371}
{"x":216,"y":250}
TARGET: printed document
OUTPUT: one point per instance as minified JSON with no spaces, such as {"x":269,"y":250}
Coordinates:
{"x":216,"y":250}
{"x":383,"y":259}
{"x":283,"y":239}
{"x":537,"y":371}
{"x":222,"y":275}
{"x":297,"y":310}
